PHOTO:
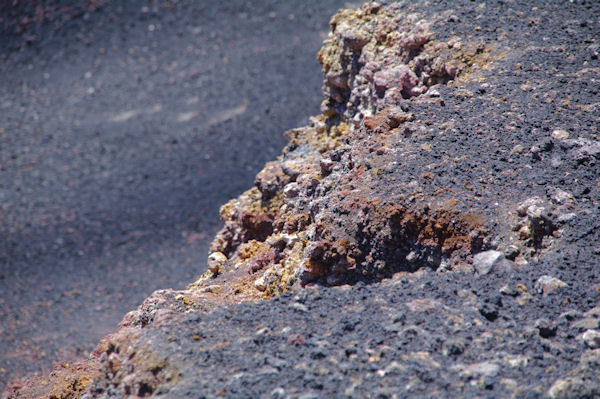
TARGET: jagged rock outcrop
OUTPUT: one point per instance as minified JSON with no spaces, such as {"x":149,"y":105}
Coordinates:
{"x":318,"y":213}
{"x":448,"y":158}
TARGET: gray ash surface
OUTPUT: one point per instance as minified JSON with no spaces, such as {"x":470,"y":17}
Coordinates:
{"x":420,"y":336}
{"x":437,"y":334}
{"x":528,"y":128}
{"x":123,"y":128}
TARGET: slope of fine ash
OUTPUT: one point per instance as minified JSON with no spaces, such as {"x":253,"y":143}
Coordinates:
{"x":118,"y":145}
{"x":432,"y":233}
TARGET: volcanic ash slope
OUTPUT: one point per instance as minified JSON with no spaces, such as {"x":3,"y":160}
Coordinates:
{"x":433,"y":232}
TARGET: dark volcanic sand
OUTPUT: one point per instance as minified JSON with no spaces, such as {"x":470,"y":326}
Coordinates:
{"x":431,"y":334}
{"x":121,"y":134}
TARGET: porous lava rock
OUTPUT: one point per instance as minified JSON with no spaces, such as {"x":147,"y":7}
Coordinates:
{"x":335,"y":207}
{"x":448,"y":190}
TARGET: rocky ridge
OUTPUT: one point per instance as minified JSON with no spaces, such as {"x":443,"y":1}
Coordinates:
{"x":316,"y":213}
{"x":450,"y":186}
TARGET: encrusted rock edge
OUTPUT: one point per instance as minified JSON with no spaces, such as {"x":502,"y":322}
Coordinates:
{"x":317,"y":213}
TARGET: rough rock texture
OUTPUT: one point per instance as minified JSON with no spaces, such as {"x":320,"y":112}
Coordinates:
{"x":319,"y":212}
{"x":450,"y":186}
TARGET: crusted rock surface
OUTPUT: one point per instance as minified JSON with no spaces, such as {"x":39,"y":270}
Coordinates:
{"x":449,"y":192}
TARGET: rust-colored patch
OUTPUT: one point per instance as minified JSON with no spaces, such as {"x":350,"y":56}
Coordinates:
{"x":387,"y":119}
{"x":66,"y":381}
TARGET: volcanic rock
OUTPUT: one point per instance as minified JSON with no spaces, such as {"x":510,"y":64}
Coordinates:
{"x":488,"y":261}
{"x":414,"y":177}
{"x":547,"y":284}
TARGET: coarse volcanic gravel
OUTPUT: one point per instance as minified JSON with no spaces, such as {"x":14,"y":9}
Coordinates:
{"x":121,"y":133}
{"x":412,"y":336}
{"x":527,"y":126}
